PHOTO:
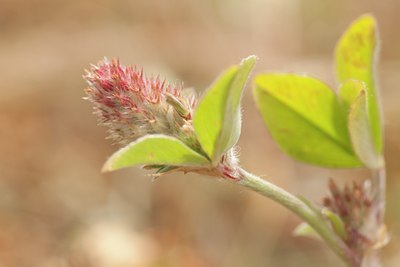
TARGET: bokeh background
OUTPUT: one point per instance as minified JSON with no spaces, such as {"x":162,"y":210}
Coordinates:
{"x":57,"y":209}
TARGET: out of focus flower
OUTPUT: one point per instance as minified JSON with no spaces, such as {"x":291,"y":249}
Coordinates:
{"x":132,"y":104}
{"x":353,"y":205}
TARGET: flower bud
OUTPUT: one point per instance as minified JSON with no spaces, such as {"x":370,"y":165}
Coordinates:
{"x":353,"y":206}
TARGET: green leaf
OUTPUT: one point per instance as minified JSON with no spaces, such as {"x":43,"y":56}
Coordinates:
{"x":352,"y":94}
{"x":306,"y":119}
{"x":155,"y":150}
{"x":349,"y":91}
{"x":304,"y":229}
{"x":356,"y":53}
{"x":209,"y":115}
{"x":361,"y":134}
{"x":217,"y":120}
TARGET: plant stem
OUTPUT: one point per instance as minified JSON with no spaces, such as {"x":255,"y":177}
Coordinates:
{"x":379,"y":194}
{"x":372,"y":258}
{"x":297,"y":206}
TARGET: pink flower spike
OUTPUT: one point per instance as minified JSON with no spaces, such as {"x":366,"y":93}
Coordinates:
{"x":132,"y":105}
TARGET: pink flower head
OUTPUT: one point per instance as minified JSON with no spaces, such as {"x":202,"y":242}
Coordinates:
{"x":132,"y":105}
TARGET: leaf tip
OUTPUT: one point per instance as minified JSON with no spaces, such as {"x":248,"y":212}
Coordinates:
{"x":111,"y":163}
{"x":367,"y":17}
{"x":108,"y":166}
{"x":251,"y":59}
{"x":305,"y":230}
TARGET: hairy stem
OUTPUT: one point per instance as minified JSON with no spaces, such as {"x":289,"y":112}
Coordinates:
{"x":302,"y":210}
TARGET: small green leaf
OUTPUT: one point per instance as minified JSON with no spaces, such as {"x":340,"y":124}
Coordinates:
{"x":336,"y":222}
{"x":356,"y":53}
{"x":155,"y":150}
{"x":217,"y":120}
{"x":306,"y":119}
{"x":209,"y":115}
{"x":361,"y":134}
{"x":304,"y":229}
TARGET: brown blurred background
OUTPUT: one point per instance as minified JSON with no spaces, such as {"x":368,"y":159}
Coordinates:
{"x":57,"y":209}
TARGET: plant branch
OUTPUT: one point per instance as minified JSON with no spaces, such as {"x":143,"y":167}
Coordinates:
{"x":296,"y":205}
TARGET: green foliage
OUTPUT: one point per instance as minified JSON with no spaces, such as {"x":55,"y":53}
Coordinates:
{"x":311,"y":123}
{"x":155,"y":149}
{"x":217,"y":120}
{"x":355,"y":59}
{"x":305,"y":118}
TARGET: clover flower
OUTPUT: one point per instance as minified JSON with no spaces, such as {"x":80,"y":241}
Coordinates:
{"x":133,"y":105}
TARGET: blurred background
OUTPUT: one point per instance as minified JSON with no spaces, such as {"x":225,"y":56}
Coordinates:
{"x":57,"y":209}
